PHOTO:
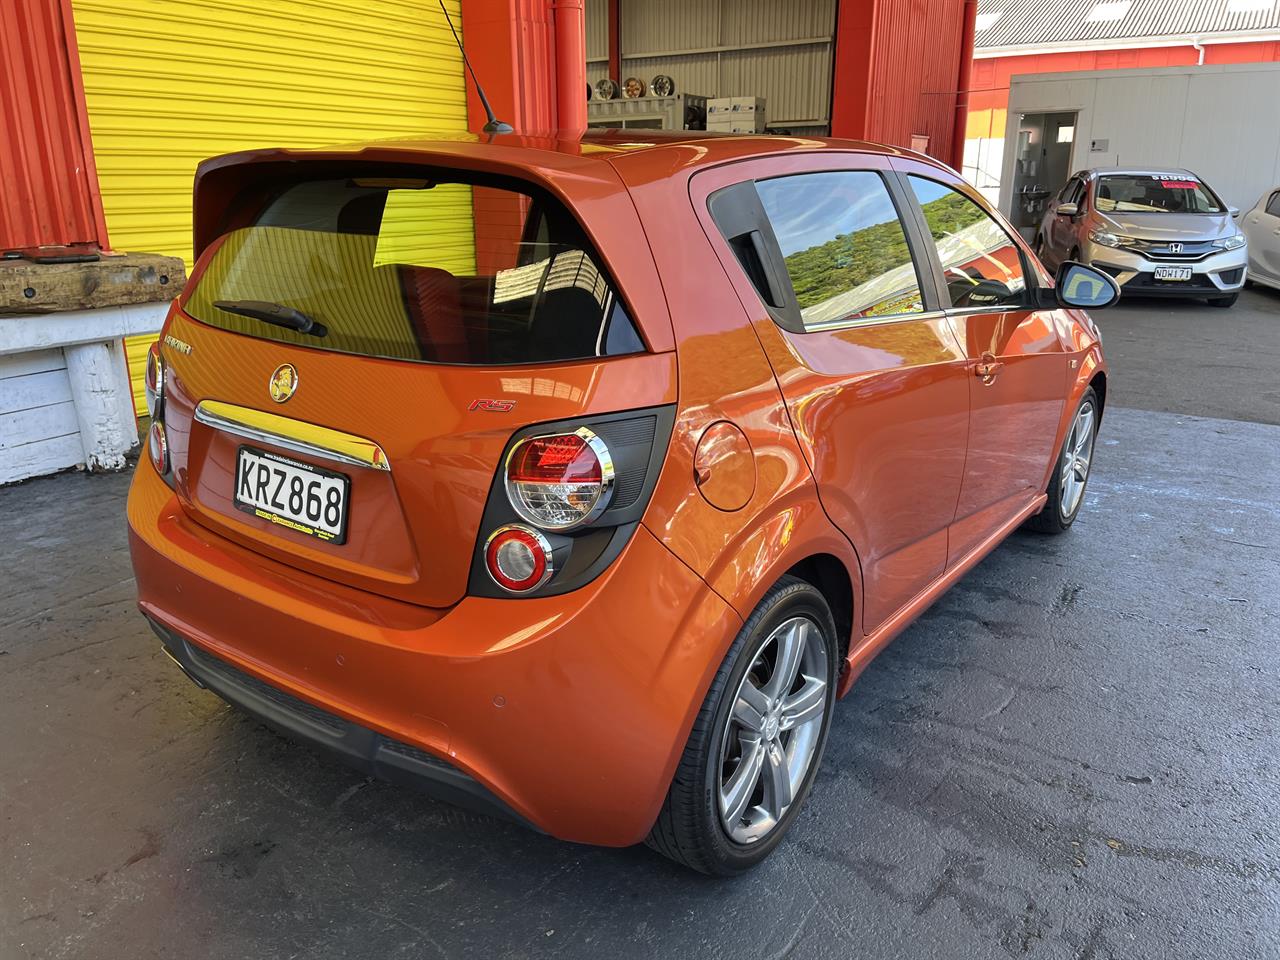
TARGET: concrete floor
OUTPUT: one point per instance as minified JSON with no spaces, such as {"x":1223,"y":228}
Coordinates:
{"x":1074,"y":755}
{"x":1180,"y":356}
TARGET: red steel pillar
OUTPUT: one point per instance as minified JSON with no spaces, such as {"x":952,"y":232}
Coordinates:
{"x":571,"y":67}
{"x":509,"y":44}
{"x":615,"y":43}
{"x":959,"y":131}
{"x":852,"y":67}
{"x":531,"y":57}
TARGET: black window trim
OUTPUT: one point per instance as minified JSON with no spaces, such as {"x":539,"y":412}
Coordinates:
{"x":1272,"y":201}
{"x":787,"y":315}
{"x":1081,"y":194}
{"x":1030,"y":278}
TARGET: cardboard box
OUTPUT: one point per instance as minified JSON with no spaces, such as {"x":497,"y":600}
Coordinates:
{"x":718,"y":106}
{"x":736,"y":122}
{"x":747,"y":105}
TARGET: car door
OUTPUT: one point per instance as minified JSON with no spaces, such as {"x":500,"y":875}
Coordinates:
{"x":1262,"y":228}
{"x":874,"y":381}
{"x":1062,"y":231}
{"x":1018,"y":367}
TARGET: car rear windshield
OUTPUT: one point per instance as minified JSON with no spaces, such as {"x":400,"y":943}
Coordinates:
{"x":1155,"y":193}
{"x":430,"y":270}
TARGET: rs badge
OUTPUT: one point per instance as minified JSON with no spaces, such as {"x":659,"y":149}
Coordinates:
{"x":493,"y":406}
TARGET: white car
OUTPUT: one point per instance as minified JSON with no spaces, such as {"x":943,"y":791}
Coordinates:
{"x":1262,"y":226}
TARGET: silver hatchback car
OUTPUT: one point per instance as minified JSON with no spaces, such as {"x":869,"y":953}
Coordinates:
{"x":1158,"y":232}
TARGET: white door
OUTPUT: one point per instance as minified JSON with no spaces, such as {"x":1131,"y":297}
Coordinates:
{"x":1262,"y":227}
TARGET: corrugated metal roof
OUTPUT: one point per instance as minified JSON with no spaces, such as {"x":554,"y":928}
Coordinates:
{"x":1037,"y":23}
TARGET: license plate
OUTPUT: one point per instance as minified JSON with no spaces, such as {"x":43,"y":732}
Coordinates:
{"x":292,"y":494}
{"x":1173,"y":273}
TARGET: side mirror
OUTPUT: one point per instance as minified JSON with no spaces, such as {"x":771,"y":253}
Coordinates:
{"x":1235,"y":212}
{"x":1067,"y":209}
{"x":1083,"y":287}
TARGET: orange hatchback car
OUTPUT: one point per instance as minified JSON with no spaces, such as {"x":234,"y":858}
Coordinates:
{"x":576,"y":480}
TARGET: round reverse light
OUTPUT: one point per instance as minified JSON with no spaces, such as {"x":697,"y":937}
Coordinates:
{"x":517,"y":558}
{"x":154,"y":383}
{"x":158,"y":447}
{"x":560,"y":481}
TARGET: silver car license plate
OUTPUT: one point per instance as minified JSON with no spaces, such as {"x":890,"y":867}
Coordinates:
{"x":292,"y":494}
{"x":1173,"y":273}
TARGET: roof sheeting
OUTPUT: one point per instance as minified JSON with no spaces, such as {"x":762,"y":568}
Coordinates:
{"x":1036,"y":23}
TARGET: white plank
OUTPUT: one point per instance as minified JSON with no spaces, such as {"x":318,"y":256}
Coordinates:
{"x":37,"y":361}
{"x":34,"y":390}
{"x":39,"y":457}
{"x":41,"y":331}
{"x":55,"y":420}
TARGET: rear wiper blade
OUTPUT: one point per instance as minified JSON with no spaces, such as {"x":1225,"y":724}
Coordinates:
{"x":275,"y":313}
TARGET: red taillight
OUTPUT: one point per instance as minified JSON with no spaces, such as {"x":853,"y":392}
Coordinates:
{"x":517,"y":558}
{"x":560,"y":481}
{"x":154,"y":383}
{"x":158,"y":447}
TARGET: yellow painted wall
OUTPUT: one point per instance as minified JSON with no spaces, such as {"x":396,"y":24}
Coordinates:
{"x":986,"y":124}
{"x":170,"y":83}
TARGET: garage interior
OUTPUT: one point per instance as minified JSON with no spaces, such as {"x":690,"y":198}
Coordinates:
{"x":1071,"y":755}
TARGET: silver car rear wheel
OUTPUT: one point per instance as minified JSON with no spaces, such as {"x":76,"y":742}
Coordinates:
{"x":756,"y":744}
{"x":773,"y":730}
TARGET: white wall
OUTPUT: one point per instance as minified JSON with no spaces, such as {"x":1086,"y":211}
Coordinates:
{"x":983,"y":159}
{"x":1220,"y":121}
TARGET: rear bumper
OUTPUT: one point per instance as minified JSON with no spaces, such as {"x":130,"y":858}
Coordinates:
{"x":568,"y":713}
{"x":359,"y":747}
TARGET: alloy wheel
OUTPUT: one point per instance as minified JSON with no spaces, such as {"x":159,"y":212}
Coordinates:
{"x":773,"y":730}
{"x":1077,"y":457}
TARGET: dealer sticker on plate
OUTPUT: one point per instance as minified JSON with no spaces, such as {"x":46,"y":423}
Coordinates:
{"x":292,"y":494}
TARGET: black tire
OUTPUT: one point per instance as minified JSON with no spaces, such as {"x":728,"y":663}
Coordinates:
{"x":1224,"y":302}
{"x":1053,"y":518}
{"x":688,"y":829}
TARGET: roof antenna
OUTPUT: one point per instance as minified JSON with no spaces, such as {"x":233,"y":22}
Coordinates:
{"x":494,"y":125}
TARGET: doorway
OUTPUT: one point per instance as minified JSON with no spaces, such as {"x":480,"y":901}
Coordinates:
{"x":1041,"y":165}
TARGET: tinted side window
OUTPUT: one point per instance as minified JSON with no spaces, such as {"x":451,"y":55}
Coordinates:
{"x":1075,"y":193}
{"x":981,"y":263}
{"x":844,"y":246}
{"x":1273,"y":207}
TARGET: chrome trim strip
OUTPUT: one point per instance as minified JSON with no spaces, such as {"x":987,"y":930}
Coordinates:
{"x":827,"y":326}
{"x":295,"y":435}
{"x":1008,"y":308}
